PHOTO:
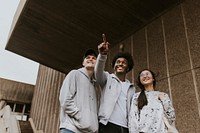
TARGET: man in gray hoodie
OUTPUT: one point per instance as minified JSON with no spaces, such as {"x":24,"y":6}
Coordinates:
{"x":78,"y":101}
{"x":117,"y":91}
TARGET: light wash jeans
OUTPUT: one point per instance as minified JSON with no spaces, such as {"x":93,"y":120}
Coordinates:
{"x":65,"y":131}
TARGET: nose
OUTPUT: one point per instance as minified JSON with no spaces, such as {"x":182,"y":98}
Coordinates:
{"x":90,"y":58}
{"x":143,"y":75}
{"x":120,"y":63}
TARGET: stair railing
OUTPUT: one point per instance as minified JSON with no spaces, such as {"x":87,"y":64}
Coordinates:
{"x":33,"y":126}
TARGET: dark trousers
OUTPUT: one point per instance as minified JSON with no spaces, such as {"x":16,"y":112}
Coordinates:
{"x":112,"y":128}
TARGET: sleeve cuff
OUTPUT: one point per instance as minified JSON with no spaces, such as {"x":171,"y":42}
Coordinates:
{"x":102,"y":57}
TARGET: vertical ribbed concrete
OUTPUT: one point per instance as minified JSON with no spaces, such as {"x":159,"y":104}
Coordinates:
{"x":45,"y":105}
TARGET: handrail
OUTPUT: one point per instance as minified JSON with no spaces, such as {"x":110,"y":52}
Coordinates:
{"x":8,"y":122}
{"x":33,"y":126}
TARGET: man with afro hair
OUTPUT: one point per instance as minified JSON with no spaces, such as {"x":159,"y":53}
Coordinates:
{"x":117,"y":91}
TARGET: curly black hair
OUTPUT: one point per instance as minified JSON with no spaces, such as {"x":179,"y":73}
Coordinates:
{"x":125,"y":55}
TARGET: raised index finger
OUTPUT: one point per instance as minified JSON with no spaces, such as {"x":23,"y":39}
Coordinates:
{"x":104,"y":37}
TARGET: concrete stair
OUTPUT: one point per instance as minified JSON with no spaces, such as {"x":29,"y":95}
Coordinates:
{"x":25,"y":127}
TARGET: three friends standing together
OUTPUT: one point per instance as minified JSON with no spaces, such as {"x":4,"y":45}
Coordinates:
{"x":121,"y":110}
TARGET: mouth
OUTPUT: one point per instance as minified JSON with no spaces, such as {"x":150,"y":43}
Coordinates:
{"x":90,"y":62}
{"x":120,"y":70}
{"x":145,"y":80}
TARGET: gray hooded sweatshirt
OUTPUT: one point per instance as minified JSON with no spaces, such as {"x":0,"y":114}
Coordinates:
{"x":110,"y":90}
{"x":78,"y":103}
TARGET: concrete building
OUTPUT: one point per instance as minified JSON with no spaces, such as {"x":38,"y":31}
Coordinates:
{"x":168,"y":43}
{"x":19,"y":98}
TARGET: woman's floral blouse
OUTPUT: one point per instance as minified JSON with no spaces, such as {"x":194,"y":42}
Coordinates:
{"x":150,"y":118}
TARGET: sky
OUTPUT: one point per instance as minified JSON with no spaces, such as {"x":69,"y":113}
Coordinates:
{"x":13,"y":66}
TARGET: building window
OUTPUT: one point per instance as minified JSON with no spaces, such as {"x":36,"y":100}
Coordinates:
{"x":21,"y":110}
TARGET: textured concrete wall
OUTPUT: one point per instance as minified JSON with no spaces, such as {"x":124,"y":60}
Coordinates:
{"x":15,"y":91}
{"x":169,"y":46}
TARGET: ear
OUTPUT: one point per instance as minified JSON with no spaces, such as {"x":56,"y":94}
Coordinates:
{"x":83,"y":63}
{"x":127,"y":69}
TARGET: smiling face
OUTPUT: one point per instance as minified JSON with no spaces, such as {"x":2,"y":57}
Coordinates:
{"x":89,"y":61}
{"x":146,"y":78}
{"x":121,"y":66}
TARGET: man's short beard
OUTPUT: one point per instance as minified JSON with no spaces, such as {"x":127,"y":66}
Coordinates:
{"x":120,"y":73}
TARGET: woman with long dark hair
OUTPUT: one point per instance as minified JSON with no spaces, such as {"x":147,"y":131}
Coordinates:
{"x":149,"y":106}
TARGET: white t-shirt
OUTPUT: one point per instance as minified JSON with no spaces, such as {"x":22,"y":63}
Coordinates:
{"x":119,"y":114}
